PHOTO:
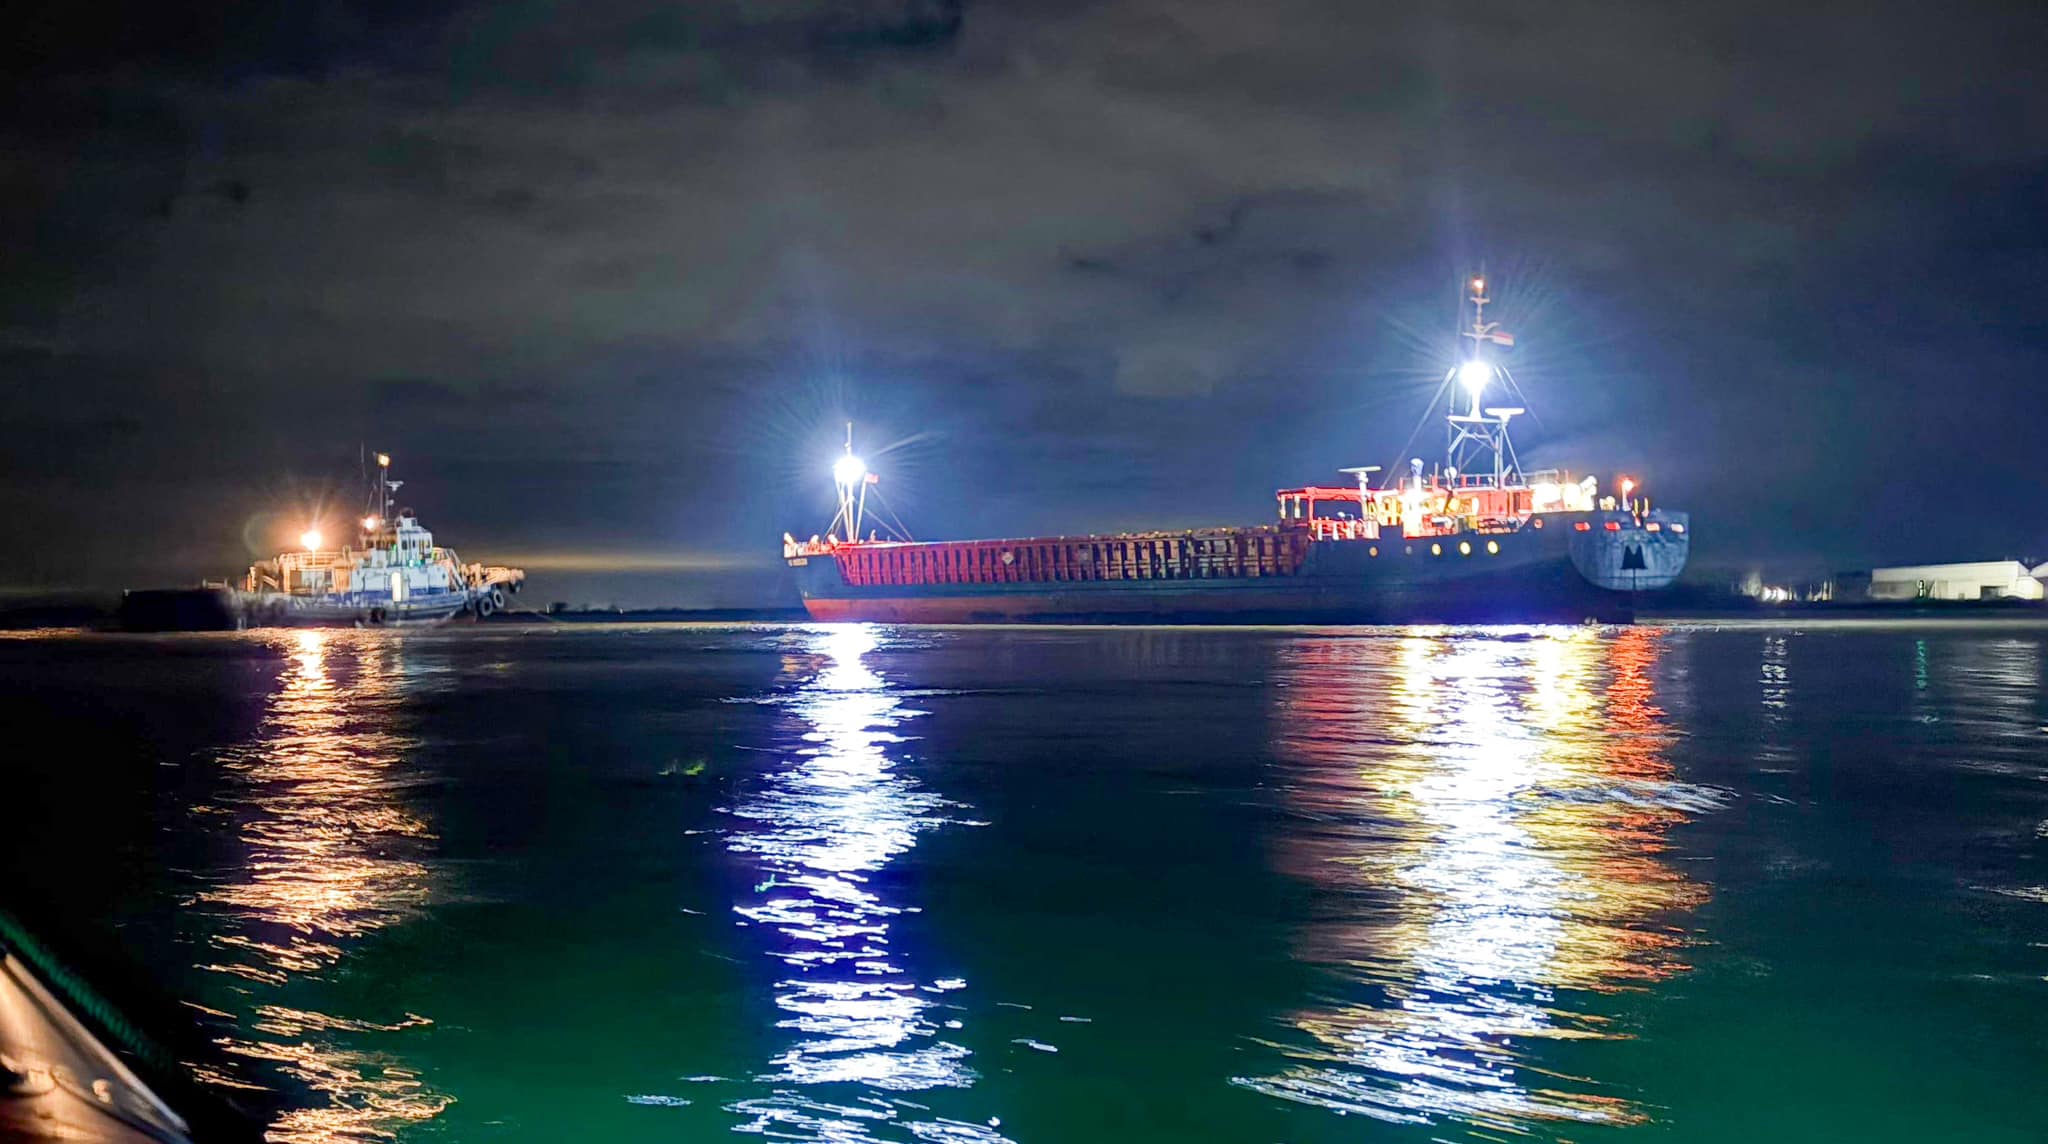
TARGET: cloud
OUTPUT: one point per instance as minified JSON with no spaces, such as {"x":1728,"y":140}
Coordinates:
{"x":568,"y":259}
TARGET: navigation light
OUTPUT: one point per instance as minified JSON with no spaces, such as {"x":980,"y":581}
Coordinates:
{"x":1474,"y":375}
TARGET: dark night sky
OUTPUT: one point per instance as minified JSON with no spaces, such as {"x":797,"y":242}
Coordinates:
{"x":606,"y":276}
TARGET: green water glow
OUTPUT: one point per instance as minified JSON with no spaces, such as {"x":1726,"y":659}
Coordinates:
{"x":854,"y":883}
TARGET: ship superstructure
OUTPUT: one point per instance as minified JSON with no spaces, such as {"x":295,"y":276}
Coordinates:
{"x":1474,"y":539}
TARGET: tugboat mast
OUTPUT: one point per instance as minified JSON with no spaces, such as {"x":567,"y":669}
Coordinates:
{"x":386,"y":485}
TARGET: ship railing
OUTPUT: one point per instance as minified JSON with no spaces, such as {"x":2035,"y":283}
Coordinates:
{"x":1250,"y":552}
{"x":1475,"y":481}
{"x":1343,"y":528}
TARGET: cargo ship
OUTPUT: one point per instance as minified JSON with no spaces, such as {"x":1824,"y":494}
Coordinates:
{"x":1473,"y":539}
{"x":393,"y":574}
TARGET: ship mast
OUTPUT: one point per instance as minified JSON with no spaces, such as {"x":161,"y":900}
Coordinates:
{"x":1478,"y":437}
{"x":851,"y":477}
{"x":375,"y":524}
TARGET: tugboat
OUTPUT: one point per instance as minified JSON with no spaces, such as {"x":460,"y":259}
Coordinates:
{"x":1476,"y":539}
{"x":393,"y":574}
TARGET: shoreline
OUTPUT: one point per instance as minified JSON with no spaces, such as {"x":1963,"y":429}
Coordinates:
{"x":71,"y":613}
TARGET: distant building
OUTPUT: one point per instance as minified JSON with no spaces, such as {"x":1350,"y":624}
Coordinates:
{"x":1987,"y":580}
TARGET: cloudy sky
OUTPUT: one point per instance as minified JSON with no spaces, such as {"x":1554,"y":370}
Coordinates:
{"x":607,"y":278}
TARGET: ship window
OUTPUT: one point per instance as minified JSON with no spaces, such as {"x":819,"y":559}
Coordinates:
{"x":1408,"y":550}
{"x":1493,"y":548}
{"x":1436,"y":550}
{"x":1464,"y":548}
{"x":1538,"y":522}
{"x":1582,"y":526}
{"x":1373,"y":551}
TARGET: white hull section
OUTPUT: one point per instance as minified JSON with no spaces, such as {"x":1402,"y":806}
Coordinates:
{"x":277,"y":609}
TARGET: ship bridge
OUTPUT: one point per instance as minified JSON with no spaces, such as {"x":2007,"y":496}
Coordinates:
{"x":1440,"y":504}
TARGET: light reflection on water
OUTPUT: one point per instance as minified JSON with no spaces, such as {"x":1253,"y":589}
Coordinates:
{"x":1991,"y":693}
{"x":866,"y":1028}
{"x":1485,"y":815}
{"x":329,"y":856}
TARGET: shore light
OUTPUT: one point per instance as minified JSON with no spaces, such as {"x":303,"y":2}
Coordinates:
{"x":849,"y":470}
{"x":311,"y":539}
{"x":1474,"y":375}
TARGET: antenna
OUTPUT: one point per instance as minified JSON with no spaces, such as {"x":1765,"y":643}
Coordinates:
{"x":1364,"y":474}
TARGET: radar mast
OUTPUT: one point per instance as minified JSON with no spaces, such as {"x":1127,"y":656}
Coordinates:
{"x":1479,"y":447}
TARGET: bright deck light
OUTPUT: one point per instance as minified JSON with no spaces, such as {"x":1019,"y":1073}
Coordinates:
{"x":849,"y":470}
{"x":370,"y":523}
{"x":1474,"y":375}
{"x":311,"y":539}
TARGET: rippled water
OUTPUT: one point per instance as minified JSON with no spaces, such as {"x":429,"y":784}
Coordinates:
{"x":855,"y":883}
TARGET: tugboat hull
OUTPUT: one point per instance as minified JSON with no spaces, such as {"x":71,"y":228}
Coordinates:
{"x":276,"y":609}
{"x":230,"y":609}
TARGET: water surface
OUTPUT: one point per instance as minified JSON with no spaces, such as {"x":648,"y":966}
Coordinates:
{"x":865,"y":883}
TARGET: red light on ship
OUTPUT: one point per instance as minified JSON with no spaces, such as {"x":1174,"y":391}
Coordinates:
{"x":1614,"y":526}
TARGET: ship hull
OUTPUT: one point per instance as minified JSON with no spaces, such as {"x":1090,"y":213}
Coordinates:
{"x":1557,"y":574}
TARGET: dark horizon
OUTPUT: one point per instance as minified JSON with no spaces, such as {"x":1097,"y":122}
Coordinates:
{"x":607,"y":281}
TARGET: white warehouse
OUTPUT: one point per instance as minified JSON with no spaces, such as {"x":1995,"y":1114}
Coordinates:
{"x":1986,"y":580}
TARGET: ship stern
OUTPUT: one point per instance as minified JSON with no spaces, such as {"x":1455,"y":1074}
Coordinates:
{"x":1623,"y":553}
